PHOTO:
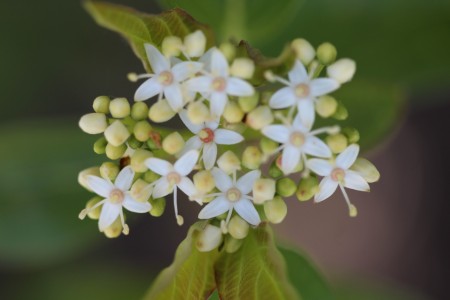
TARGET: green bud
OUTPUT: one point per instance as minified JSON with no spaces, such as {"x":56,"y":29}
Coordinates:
{"x":138,"y":160}
{"x":307,"y":188}
{"x":232,"y":245}
{"x":119,"y":108}
{"x":100,"y":145}
{"x":275,"y":210}
{"x":366,"y":169}
{"x":228,"y":50}
{"x":238,"y":228}
{"x":248,"y":103}
{"x":286,"y":187}
{"x":134,"y":143}
{"x":326,"y":53}
{"x":158,"y":207}
{"x":352,"y":135}
{"x":114,"y":230}
{"x":326,"y":106}
{"x":251,"y":157}
{"x":151,"y":176}
{"x":94,"y":214}
{"x":337,"y":142}
{"x":142,"y":130}
{"x":274,"y":171}
{"x":341,"y":112}
{"x":139,"y":111}
{"x":115,"y":152}
{"x":267,"y":145}
{"x":109,"y":170}
{"x":101,"y":104}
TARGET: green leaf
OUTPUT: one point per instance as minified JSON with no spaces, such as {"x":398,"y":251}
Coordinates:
{"x":191,"y":275}
{"x":140,"y":28}
{"x":256,"y":271}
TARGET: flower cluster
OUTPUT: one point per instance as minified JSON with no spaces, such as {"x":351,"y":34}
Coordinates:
{"x":233,"y":128}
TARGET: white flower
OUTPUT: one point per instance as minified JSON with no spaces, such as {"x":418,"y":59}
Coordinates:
{"x":218,"y":84}
{"x":337,"y":173}
{"x":174,"y":177}
{"x":207,"y":137}
{"x":302,"y":91}
{"x":116,"y":196}
{"x":233,"y":195}
{"x":166,"y":80}
{"x":297,"y":141}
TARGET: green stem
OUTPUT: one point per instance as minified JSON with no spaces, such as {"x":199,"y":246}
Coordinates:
{"x":234,"y":20}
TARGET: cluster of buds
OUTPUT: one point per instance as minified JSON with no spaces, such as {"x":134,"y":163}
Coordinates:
{"x":234,"y":129}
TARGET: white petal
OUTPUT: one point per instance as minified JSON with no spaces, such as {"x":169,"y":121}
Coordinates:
{"x":194,"y":143}
{"x":239,"y":87}
{"x":326,"y":188}
{"x":320,"y":166}
{"x":162,"y":188}
{"x":151,"y":87}
{"x":159,"y":166}
{"x":194,"y":128}
{"x":124,"y":179}
{"x":187,"y":186}
{"x":187,"y":69}
{"x":306,"y":112}
{"x":247,"y":211}
{"x":347,"y":157}
{"x":206,"y":59}
{"x":186,"y":163}
{"x":109,"y":214}
{"x":290,"y":159}
{"x":215,"y":208}
{"x":245,"y":183}
{"x":299,"y":124}
{"x":354,"y":181}
{"x":99,"y":185}
{"x":212,"y":125}
{"x":283,"y":98}
{"x":209,"y":155}
{"x":227,"y":137}
{"x":219,"y":64}
{"x":298,"y":74}
{"x":157,"y":61}
{"x":135,"y":206}
{"x":316,"y":147}
{"x":223,"y":181}
{"x":323,"y":86}
{"x":278,"y":133}
{"x":201,"y":84}
{"x":218,"y":102}
{"x":174,"y":96}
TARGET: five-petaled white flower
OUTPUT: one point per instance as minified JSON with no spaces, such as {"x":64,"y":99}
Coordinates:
{"x":302,"y":91}
{"x":166,"y":79}
{"x":174,"y":177}
{"x":233,"y":195}
{"x":298,"y":140}
{"x":337,"y":173}
{"x":207,"y":137}
{"x":217,"y":84}
{"x":116,"y":196}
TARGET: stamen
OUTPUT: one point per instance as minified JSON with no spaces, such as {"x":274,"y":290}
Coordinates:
{"x":234,"y":177}
{"x":125,"y":228}
{"x":82,"y":214}
{"x":223,"y":227}
{"x":180,"y":219}
{"x":86,"y":211}
{"x":280,"y":116}
{"x":229,"y":216}
{"x":330,"y":130}
{"x":133,"y":77}
{"x":270,"y":76}
{"x":353,"y":212}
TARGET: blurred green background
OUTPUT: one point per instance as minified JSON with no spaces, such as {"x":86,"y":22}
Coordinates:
{"x":54,"y":60}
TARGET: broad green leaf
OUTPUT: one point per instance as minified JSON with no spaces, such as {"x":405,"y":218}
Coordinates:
{"x":191,"y":275}
{"x":140,"y":28}
{"x":256,"y":271}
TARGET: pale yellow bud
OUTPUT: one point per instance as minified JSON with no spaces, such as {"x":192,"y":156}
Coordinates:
{"x":260,"y":117}
{"x":139,"y":111}
{"x":115,"y":152}
{"x":337,"y":142}
{"x":242,"y":67}
{"x":195,"y":43}
{"x":232,"y":245}
{"x":119,"y":108}
{"x":94,"y":214}
{"x":326,"y":53}
{"x":171,"y":46}
{"x":101,"y":104}
{"x":228,"y":50}
{"x":114,"y":230}
{"x":252,"y":157}
{"x":238,"y":228}
{"x":173,"y":143}
{"x":275,"y":210}
{"x":197,"y":112}
{"x":141,"y":190}
{"x":366,"y":169}
{"x":204,"y":181}
{"x":249,"y":103}
{"x":233,"y":113}
{"x":82,"y":176}
{"x":138,"y":158}
{"x":342,"y":70}
{"x":326,"y":106}
{"x":229,"y":162}
{"x":142,"y":131}
{"x":158,"y":207}
{"x":263,"y":190}
{"x":303,"y":50}
{"x":209,"y":238}
{"x":161,"y":112}
{"x":109,"y":170}
{"x":93,"y":123}
{"x":116,"y":134}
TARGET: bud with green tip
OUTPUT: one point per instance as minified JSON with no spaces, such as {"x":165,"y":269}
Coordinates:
{"x":342,"y":70}
{"x":138,"y":158}
{"x":352,"y":135}
{"x":161,"y":112}
{"x":116,"y":134}
{"x":286,"y":187}
{"x":275,"y":210}
{"x":158,"y":206}
{"x":232,"y":245}
{"x":252,"y":157}
{"x":341,"y":112}
{"x":115,"y":152}
{"x":100,"y":145}
{"x":233,"y":113}
{"x":229,"y":162}
{"x":242,"y":67}
{"x":260,"y":117}
{"x":119,"y":108}
{"x":337,"y":142}
{"x":134,"y":143}
{"x":139,"y":111}
{"x":326,"y":53}
{"x":173,"y":143}
{"x":101,"y":104}
{"x":268,"y":146}
{"x":303,"y":50}
{"x":248,"y":103}
{"x":93,"y":123}
{"x":109,"y":170}
{"x":94,"y":214}
{"x":307,"y":188}
{"x":82,"y":176}
{"x":263,"y":190}
{"x":238,"y":228}
{"x":326,"y":106}
{"x":275,"y":171}
{"x":366,"y":169}
{"x":209,"y":238}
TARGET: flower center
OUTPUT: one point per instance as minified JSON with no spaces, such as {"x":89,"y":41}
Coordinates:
{"x":219,"y":84}
{"x":206,"y":135}
{"x":173,"y":178}
{"x":297,"y":139}
{"x":338,"y":174}
{"x":116,"y":196}
{"x":302,"y":90}
{"x":165,"y":78}
{"x":233,"y":194}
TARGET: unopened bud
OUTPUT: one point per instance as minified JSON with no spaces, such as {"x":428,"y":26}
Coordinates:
{"x":209,"y":238}
{"x":341,"y":112}
{"x":158,"y":207}
{"x":114,"y":230}
{"x":232,"y":245}
{"x":286,"y":187}
{"x":133,"y":143}
{"x":307,"y":188}
{"x":173,"y":143}
{"x":238,"y":228}
{"x":197,"y":112}
{"x":260,"y":117}
{"x":141,"y":190}
{"x":263,"y":190}
{"x":115,"y":152}
{"x":94,"y":214}
{"x":270,"y":76}
{"x":274,"y":170}
{"x":171,"y":46}
{"x":242,"y":67}
{"x":142,"y":130}
{"x":228,"y":50}
{"x":303,"y":50}
{"x":233,"y":113}
{"x":366,"y":169}
{"x":249,"y":103}
{"x":337,"y":142}
{"x":342,"y":70}
{"x":229,"y":162}
{"x":116,"y":134}
{"x":195,"y":43}
{"x":326,"y":106}
{"x":151,"y":176}
{"x":352,"y":135}
{"x":326,"y":53}
{"x":109,"y":170}
{"x":93,"y":123}
{"x":101,"y":104}
{"x":275,"y":210}
{"x":138,"y":158}
{"x":139,"y":111}
{"x":268,"y":146}
{"x":119,"y":108}
{"x":252,"y":157}
{"x":82,"y":176}
{"x":100,"y":145}
{"x":204,"y":181}
{"x":161,"y":112}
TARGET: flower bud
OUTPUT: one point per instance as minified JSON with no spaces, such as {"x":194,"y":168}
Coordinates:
{"x":260,"y":117}
{"x":307,"y":188}
{"x":101,"y":104}
{"x":366,"y":169}
{"x":142,"y":130}
{"x":161,"y":112}
{"x":209,"y":238}
{"x":138,"y":158}
{"x":303,"y":50}
{"x":195,"y":43}
{"x":342,"y":70}
{"x":263,"y":190}
{"x":119,"y":108}
{"x":268,"y":146}
{"x":115,"y":152}
{"x":173,"y":143}
{"x":94,"y":214}
{"x":82,"y":176}
{"x":139,"y":111}
{"x":116,"y":134}
{"x":286,"y":187}
{"x":251,"y":157}
{"x":133,"y":143}
{"x":228,"y":50}
{"x":93,"y":123}
{"x":171,"y":46}
{"x":229,"y":162}
{"x":242,"y":67}
{"x":158,"y":207}
{"x":275,"y":210}
{"x":326,"y":53}
{"x":114,"y":230}
{"x":232,"y":245}
{"x":326,"y":106}
{"x":197,"y":112}
{"x":151,"y":176}
{"x":100,"y":145}
{"x":341,"y":112}
{"x":233,"y":113}
{"x":109,"y":170}
{"x":204,"y":181}
{"x":238,"y":228}
{"x":337,"y":142}
{"x":141,"y":190}
{"x":248,"y":103}
{"x":274,"y":170}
